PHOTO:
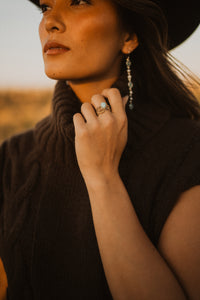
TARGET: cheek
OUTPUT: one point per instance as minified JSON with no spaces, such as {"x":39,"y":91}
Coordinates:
{"x":97,"y":33}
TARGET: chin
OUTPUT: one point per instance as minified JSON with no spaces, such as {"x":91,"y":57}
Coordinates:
{"x":55,"y":74}
{"x":64,"y":76}
{"x":78,"y":76}
{"x":59,"y":73}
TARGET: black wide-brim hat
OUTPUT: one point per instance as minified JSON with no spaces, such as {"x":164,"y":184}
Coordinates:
{"x":183,"y":17}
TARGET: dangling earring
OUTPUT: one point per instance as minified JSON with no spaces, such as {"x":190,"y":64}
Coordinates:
{"x":130,"y":83}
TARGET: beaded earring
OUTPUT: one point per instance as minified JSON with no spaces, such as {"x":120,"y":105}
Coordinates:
{"x":130,"y":83}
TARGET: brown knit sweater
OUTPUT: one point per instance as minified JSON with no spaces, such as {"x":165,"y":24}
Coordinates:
{"x":47,"y":238}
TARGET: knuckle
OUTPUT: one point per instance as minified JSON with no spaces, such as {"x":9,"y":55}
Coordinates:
{"x":94,"y":127}
{"x":114,"y":92}
{"x":123,"y":124}
{"x":109,"y":121}
{"x":105,"y":91}
{"x":123,"y":121}
{"x":94,"y":97}
{"x":76,"y":116}
{"x":111,"y":91}
{"x":85,"y":106}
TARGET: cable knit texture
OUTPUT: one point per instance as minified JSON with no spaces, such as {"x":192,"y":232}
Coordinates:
{"x":47,"y":238}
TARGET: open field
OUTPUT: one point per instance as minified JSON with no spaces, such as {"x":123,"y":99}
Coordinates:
{"x":22,"y":109}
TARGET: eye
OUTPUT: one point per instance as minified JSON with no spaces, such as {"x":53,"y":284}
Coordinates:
{"x":80,"y":2}
{"x":43,"y":8}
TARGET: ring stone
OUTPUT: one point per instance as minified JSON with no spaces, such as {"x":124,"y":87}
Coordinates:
{"x":103,"y":104}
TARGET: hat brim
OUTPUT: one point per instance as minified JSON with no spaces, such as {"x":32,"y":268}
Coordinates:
{"x":183,"y":19}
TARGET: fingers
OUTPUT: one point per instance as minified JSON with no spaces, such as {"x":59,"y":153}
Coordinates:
{"x":117,"y":103}
{"x":79,"y":122}
{"x":125,"y":100}
{"x":96,"y":101}
{"x":88,"y":112}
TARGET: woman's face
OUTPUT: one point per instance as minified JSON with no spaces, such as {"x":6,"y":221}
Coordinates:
{"x":90,"y":29}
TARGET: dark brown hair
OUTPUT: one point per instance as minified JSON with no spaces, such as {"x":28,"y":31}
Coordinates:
{"x":154,"y":70}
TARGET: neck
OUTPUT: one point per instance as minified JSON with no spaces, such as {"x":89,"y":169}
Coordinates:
{"x":85,"y":91}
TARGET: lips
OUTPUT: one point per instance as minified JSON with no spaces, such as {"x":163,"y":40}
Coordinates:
{"x":54,"y":45}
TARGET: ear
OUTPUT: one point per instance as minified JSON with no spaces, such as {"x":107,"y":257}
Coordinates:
{"x":130,"y":43}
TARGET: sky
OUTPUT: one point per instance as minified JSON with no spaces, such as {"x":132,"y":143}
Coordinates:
{"x":21,"y":63}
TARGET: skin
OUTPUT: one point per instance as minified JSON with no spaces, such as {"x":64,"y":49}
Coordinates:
{"x":3,"y":281}
{"x":173,"y":270}
{"x":96,"y":44}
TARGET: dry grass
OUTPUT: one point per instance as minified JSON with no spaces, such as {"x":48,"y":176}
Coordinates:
{"x":22,"y":109}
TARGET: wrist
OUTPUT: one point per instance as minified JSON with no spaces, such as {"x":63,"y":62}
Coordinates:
{"x":99,"y":182}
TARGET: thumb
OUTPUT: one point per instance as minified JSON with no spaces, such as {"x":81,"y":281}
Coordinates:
{"x":125,"y":100}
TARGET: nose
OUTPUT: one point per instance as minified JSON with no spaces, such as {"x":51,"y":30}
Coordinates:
{"x":54,"y":23}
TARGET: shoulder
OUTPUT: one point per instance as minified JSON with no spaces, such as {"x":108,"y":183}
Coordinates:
{"x":174,"y":166}
{"x":179,"y":240}
{"x":180,"y":130}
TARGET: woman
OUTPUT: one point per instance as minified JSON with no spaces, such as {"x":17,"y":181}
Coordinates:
{"x":101,"y":199}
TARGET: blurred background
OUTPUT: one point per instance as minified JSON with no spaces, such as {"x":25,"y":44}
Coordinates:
{"x":25,"y":90}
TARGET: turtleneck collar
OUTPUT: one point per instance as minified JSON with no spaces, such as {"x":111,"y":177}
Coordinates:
{"x":57,"y":130}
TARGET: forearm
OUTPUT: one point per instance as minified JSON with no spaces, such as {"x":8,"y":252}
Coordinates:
{"x":133,"y":267}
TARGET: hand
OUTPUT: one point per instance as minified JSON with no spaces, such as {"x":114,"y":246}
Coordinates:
{"x":100,"y":140}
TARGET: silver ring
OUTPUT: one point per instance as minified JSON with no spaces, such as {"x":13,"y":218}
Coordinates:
{"x":102,"y":108}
